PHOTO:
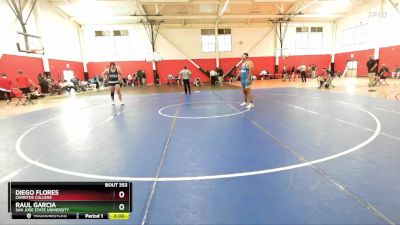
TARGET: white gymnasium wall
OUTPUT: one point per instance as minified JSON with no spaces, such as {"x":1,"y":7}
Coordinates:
{"x":390,"y":26}
{"x":290,"y":39}
{"x":256,"y":41}
{"x":172,"y":43}
{"x":382,"y":27}
{"x":175,"y":43}
{"x":187,"y":41}
{"x":59,"y":35}
{"x":134,"y":47}
{"x":167,"y":45}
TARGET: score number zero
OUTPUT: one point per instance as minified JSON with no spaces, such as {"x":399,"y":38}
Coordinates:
{"x":121,"y":194}
{"x":121,"y":206}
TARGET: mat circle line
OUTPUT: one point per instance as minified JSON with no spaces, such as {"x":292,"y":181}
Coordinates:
{"x":195,"y":178}
{"x":160,"y":111}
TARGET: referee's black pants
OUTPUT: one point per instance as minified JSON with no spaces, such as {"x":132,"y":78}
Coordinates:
{"x":186,"y":85}
{"x":303,"y":76}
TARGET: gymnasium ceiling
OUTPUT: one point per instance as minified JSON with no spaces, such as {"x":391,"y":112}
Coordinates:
{"x":191,"y":13}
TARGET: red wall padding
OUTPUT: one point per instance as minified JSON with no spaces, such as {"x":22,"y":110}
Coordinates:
{"x":361,"y":56}
{"x":389,"y":56}
{"x":175,"y":66}
{"x":263,"y":63}
{"x":127,"y":67}
{"x":1,"y":62}
{"x":167,"y":67}
{"x":10,"y":64}
{"x":32,"y":66}
{"x":227,"y":63}
{"x":207,"y":64}
{"x":58,"y":66}
{"x":260,"y":63}
{"x":321,"y":61}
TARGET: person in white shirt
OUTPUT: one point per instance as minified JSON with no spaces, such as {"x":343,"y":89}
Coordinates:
{"x":303,"y":70}
{"x":185,"y":75}
{"x":129,"y":80}
{"x":213,"y":77}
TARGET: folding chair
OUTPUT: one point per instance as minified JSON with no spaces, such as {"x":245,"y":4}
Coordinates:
{"x":170,"y":79}
{"x":285,"y":76}
{"x":19,"y":95}
{"x":382,"y":81}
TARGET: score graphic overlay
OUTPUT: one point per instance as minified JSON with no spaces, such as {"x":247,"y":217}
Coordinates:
{"x":70,"y":200}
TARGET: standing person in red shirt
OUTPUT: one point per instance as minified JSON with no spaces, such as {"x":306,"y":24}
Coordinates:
{"x":24,"y":84}
{"x":5,"y":87}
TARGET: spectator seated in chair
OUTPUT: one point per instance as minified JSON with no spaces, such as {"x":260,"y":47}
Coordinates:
{"x":24,"y":84}
{"x":170,"y":79}
{"x":380,"y":78}
{"x":35,"y":93}
{"x":328,"y":82}
{"x":396,"y":73}
{"x":339,"y":74}
{"x":5,"y":88}
{"x":264,"y":74}
{"x":197,"y":82}
{"x":285,"y":74}
{"x":44,"y":84}
{"x":324,"y":79}
{"x":136,"y":79}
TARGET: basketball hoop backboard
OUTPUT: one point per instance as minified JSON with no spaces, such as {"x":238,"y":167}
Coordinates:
{"x":29,"y":43}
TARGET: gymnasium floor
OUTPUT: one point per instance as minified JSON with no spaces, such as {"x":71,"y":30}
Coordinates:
{"x":302,"y":156}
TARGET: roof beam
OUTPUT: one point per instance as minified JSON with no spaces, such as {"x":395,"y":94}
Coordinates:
{"x":223,"y":9}
{"x":164,"y":1}
{"x":275,"y":2}
{"x":280,"y":7}
{"x":247,"y":16}
{"x":59,"y":2}
{"x":396,"y":6}
{"x":137,"y":5}
{"x":197,"y":17}
{"x":98,"y":2}
{"x":212,"y":26}
{"x":217,"y":2}
{"x":159,"y":8}
{"x":308,"y":5}
{"x":290,"y":9}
